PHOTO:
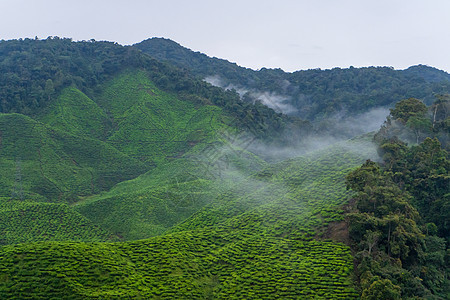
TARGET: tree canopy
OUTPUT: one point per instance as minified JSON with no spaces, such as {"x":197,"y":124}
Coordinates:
{"x":399,"y":222}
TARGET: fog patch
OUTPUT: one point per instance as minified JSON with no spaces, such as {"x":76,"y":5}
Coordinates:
{"x":276,"y":153}
{"x":393,"y":128}
{"x":229,"y":163}
{"x":277,"y":102}
{"x":344,"y":125}
{"x":338,"y":129}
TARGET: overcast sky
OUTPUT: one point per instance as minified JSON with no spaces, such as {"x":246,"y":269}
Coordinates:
{"x":291,"y":35}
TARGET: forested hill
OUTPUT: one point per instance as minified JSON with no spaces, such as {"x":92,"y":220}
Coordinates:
{"x":34,"y":72}
{"x":311,"y":94}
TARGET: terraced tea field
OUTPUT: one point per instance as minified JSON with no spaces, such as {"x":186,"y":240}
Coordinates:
{"x":256,"y":240}
{"x":26,"y":221}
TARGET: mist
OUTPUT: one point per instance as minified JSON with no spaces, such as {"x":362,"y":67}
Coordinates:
{"x":248,"y":182}
{"x":345,"y":125}
{"x":277,"y":102}
{"x":337,"y":129}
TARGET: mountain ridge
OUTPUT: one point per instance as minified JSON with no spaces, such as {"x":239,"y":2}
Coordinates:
{"x":314,"y":93}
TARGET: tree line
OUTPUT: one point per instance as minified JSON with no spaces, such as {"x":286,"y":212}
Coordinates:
{"x":399,"y":223}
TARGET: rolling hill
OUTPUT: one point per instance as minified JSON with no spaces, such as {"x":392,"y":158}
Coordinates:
{"x":125,"y":175}
{"x":245,"y":243}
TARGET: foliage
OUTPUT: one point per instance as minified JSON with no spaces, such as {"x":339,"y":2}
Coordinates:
{"x":243,"y":243}
{"x":56,"y":165}
{"x":400,"y":210}
{"x":406,"y":109}
{"x":200,"y":264}
{"x":27,"y":221}
{"x":34,"y":72}
{"x":316,"y":94}
{"x":382,"y":289}
{"x":424,"y":171}
{"x":143,"y":150}
{"x":77,"y":114}
{"x":412,"y":122}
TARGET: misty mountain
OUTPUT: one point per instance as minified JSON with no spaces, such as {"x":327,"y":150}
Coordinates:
{"x":34,"y":72}
{"x":125,"y":175}
{"x":310,"y":94}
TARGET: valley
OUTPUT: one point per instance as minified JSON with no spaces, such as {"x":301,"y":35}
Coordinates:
{"x":125,"y":175}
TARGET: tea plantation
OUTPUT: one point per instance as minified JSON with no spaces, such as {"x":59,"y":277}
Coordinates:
{"x":124,"y":177}
{"x":26,"y":221}
{"x":257,"y":239}
{"x":196,"y":214}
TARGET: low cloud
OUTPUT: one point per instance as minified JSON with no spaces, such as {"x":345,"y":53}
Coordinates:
{"x":277,"y":102}
{"x":339,"y":129}
{"x":335,"y":129}
{"x":347,"y":125}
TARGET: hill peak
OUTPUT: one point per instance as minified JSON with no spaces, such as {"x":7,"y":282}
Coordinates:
{"x":430,"y":74}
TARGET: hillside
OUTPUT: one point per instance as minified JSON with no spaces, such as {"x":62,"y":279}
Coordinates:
{"x":310,"y":94}
{"x":55,"y":165}
{"x":397,"y":219}
{"x":78,"y":146}
{"x":35,"y":72}
{"x":26,"y":221}
{"x":157,"y":200}
{"x":81,"y":147}
{"x":79,"y":117}
{"x":246,"y":243}
{"x":124,"y":174}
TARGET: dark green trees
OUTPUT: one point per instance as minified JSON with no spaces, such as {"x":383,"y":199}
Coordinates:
{"x":412,"y":121}
{"x":399,"y":225}
{"x":424,"y":171}
{"x":400,"y":221}
{"x":409,"y":108}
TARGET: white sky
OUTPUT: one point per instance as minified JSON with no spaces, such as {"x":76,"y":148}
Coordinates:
{"x":291,"y":35}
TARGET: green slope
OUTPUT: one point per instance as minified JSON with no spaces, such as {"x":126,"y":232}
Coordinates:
{"x":130,"y":113}
{"x":189,"y":265}
{"x":170,"y":193}
{"x":81,"y":146}
{"x":77,"y":114}
{"x":153,"y":125}
{"x":55,"y":165}
{"x":35,"y":72}
{"x":256,"y":240}
{"x":297,"y":195}
{"x":43,"y":163}
{"x":25,"y":221}
{"x":158,"y":128}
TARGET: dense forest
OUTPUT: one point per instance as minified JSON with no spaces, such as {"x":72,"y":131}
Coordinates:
{"x":313,"y":94}
{"x":399,"y":222}
{"x":153,"y":172}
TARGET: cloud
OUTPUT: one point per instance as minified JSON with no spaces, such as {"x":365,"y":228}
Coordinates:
{"x":335,"y":129}
{"x":347,"y":125}
{"x":277,"y":102}
{"x":338,"y":129}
